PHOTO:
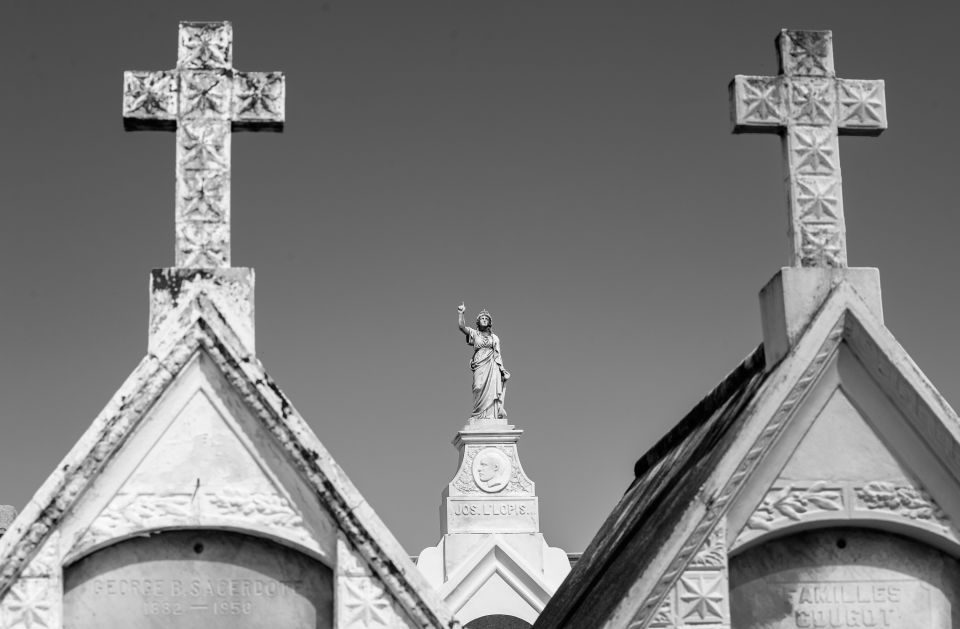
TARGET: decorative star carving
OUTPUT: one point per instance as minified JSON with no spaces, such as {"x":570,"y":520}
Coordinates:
{"x":862,"y":102}
{"x":259,"y":95}
{"x":204,"y":146}
{"x":366,"y":603}
{"x":702,"y":594}
{"x":812,"y":102}
{"x":150,"y":94}
{"x":808,"y":52}
{"x":203,"y":197}
{"x":818,"y":199}
{"x":204,"y":95}
{"x":205,"y":46}
{"x":820,"y":245}
{"x":28,"y":604}
{"x":761,"y":100}
{"x":814,"y":151}
{"x":203,"y":244}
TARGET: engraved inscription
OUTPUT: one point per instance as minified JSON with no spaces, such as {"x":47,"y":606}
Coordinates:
{"x":197,"y":580}
{"x":843,"y":577}
{"x":176,"y":597}
{"x":492,"y":508}
{"x":851,"y":603}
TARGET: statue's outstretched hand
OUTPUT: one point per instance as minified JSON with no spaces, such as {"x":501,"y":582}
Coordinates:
{"x":461,"y":308}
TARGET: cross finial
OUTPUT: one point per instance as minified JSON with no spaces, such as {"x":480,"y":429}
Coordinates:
{"x":203,"y":99}
{"x":809,"y":107}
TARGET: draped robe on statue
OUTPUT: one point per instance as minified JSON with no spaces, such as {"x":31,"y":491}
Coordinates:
{"x":488,"y":375}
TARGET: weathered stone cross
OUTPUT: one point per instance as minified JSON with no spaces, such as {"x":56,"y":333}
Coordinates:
{"x":203,"y":99}
{"x":809,"y":106}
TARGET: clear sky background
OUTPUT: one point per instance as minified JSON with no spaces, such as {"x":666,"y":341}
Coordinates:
{"x":570,"y":167}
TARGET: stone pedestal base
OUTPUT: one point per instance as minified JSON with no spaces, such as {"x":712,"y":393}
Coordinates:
{"x":231,"y":289}
{"x":492,"y":558}
{"x":790,"y":300}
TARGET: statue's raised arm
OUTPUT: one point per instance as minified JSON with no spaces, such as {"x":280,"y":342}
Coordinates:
{"x":489,"y":375}
{"x":460,"y":309}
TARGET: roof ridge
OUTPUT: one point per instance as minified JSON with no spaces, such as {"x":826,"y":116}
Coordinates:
{"x":747,"y":368}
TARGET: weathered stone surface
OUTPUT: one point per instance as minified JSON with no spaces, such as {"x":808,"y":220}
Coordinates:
{"x":204,"y":99}
{"x":201,"y":579}
{"x":232,"y":290}
{"x":808,"y":106}
{"x":844,"y":578}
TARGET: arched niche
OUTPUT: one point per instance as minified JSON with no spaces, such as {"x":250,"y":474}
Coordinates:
{"x":844,"y":577}
{"x":197,"y":579}
{"x":498,"y":621}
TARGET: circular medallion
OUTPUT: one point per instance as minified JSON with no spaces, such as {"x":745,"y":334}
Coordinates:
{"x":491,"y":470}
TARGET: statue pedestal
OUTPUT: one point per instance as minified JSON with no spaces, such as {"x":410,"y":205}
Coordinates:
{"x":490,"y":492}
{"x":492,"y":558}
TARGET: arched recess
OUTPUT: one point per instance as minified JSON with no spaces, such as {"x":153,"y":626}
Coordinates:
{"x":194,"y":578}
{"x":844,"y":576}
{"x":498,"y":621}
{"x":938,"y":536}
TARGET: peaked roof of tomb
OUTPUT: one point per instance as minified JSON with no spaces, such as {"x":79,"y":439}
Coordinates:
{"x":684,"y":484}
{"x":202,"y":327}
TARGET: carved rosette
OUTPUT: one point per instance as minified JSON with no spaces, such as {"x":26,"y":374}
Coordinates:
{"x":797,"y":503}
{"x":150,"y":95}
{"x":258,"y":97}
{"x":700,"y":596}
{"x":35,"y":599}
{"x":32,"y":603}
{"x":205,"y":45}
{"x":809,"y":106}
{"x":362,"y":600}
{"x":469,"y":482}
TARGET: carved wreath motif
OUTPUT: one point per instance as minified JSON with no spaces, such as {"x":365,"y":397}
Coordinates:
{"x":464,"y":480}
{"x":266,"y":509}
{"x":908,"y":502}
{"x":794,"y":504}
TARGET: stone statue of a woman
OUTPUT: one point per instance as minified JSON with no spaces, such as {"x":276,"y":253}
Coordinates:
{"x":489,"y":375}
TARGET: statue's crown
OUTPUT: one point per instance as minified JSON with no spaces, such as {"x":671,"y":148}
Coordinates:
{"x":482,"y":312}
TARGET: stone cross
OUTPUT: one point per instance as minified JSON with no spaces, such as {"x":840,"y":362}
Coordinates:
{"x":809,"y":106}
{"x":203,"y":99}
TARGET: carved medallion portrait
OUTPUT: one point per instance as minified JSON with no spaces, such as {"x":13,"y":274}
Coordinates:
{"x":491,"y":470}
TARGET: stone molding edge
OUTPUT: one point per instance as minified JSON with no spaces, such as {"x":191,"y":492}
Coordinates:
{"x":208,"y":329}
{"x":714,"y":511}
{"x":702,"y":589}
{"x":915,"y":396}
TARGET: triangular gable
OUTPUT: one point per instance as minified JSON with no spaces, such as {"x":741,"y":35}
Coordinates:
{"x":363,"y":548}
{"x":657,"y":529}
{"x":495,"y":560}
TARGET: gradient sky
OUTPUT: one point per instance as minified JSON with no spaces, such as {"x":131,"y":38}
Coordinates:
{"x":570,"y":167}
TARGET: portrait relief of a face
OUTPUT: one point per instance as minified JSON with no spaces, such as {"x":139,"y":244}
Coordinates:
{"x":491,"y":470}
